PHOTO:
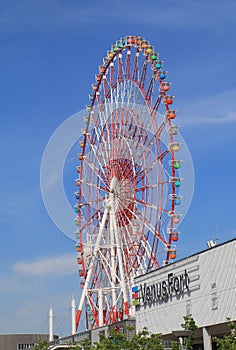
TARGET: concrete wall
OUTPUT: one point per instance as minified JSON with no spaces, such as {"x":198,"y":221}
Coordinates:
{"x":14,"y":341}
{"x":210,"y":297}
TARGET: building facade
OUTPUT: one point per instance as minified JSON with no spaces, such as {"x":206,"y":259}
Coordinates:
{"x":126,"y":326}
{"x":202,"y":286}
{"x":20,"y":341}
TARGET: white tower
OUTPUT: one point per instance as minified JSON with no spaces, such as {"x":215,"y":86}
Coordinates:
{"x":73,"y":307}
{"x":51,"y":324}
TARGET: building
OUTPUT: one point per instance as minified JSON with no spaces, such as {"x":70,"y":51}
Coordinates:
{"x":202,"y":285}
{"x":125,"y":326}
{"x":20,"y":341}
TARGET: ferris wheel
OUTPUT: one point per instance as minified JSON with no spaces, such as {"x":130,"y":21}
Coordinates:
{"x":128,"y":180}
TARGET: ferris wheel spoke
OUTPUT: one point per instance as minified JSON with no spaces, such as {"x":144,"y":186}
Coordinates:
{"x":95,"y":171}
{"x":97,"y":155}
{"x":127,"y":65}
{"x":127,"y":237}
{"x":143,"y":75}
{"x":130,"y":242}
{"x":89,"y":221}
{"x":98,"y":135}
{"x":149,"y":90}
{"x":140,"y":175}
{"x":118,"y":247}
{"x":139,"y":260}
{"x":145,"y":222}
{"x":162,"y":155}
{"x":105,"y":88}
{"x":120,"y":69}
{"x":146,"y":187}
{"x":157,"y":103}
{"x":102,"y":199}
{"x":149,"y":144}
{"x":135,"y":76}
{"x":95,"y":186}
{"x":147,"y":252}
{"x":109,"y":270}
{"x":139,"y":150}
{"x":156,"y":233}
{"x":145,"y":204}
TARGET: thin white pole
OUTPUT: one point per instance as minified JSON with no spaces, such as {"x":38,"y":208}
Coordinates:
{"x":100,"y":307}
{"x":51,"y":324}
{"x":73,"y":306}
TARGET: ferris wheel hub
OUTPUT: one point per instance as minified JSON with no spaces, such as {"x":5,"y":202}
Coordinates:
{"x":113,"y":184}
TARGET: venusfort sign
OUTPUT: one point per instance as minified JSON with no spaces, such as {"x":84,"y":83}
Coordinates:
{"x":161,"y":291}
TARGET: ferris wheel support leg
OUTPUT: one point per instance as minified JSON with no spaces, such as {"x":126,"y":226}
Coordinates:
{"x":113,"y":268}
{"x":121,"y":264}
{"x":90,"y":269}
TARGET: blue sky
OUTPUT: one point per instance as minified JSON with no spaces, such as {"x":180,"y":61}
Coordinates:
{"x":50,"y":52}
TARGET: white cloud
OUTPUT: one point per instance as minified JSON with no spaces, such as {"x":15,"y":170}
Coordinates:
{"x":26,"y":311}
{"x":56,"y":266}
{"x":216,"y":109}
{"x":32,"y":305}
{"x":229,"y":118}
{"x":30,"y":287}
